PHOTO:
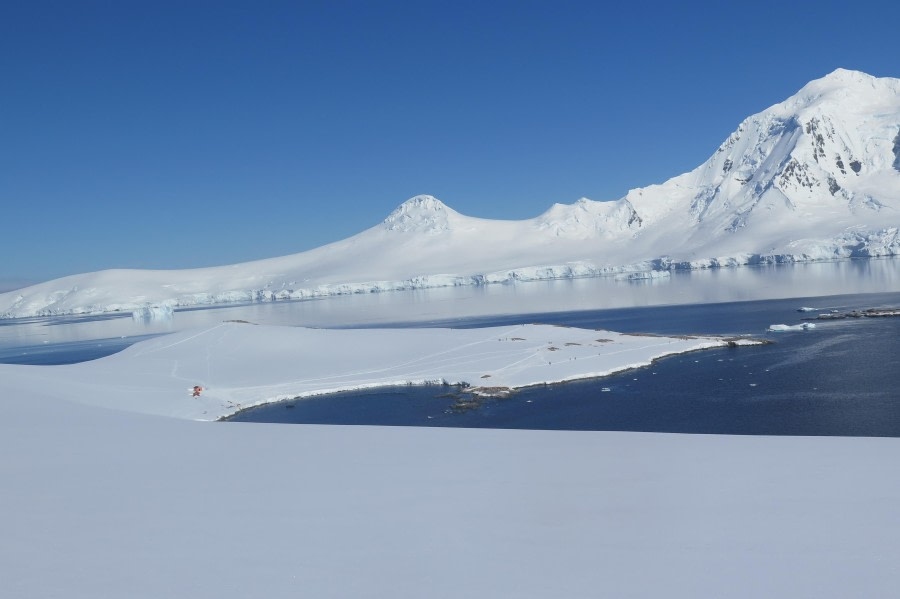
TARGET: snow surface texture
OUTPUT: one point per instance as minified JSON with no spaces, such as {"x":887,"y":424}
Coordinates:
{"x":816,"y":177}
{"x":242,"y":365}
{"x":112,"y":503}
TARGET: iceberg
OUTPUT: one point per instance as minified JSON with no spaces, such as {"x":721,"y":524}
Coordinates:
{"x":780,"y":328}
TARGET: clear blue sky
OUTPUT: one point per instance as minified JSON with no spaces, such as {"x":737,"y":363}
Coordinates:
{"x":180,"y":134}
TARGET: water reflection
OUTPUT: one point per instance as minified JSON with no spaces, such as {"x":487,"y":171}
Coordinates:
{"x":448,"y":304}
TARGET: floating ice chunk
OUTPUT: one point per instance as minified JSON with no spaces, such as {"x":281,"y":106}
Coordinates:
{"x":779,"y":328}
{"x":163,"y":312}
{"x":806,"y":309}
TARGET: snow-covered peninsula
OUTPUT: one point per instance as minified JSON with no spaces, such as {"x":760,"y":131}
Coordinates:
{"x":241,"y":365}
{"x":816,"y":177}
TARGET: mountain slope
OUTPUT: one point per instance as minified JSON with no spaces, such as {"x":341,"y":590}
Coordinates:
{"x":814,"y":177}
{"x":819,"y":167}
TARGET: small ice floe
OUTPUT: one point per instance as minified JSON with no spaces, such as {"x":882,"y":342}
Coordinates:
{"x":806,"y":309}
{"x":780,"y":328}
{"x":163,"y":312}
{"x":604,"y":390}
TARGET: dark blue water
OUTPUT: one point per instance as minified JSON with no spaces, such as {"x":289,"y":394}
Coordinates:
{"x":842,"y":378}
{"x":67,"y":352}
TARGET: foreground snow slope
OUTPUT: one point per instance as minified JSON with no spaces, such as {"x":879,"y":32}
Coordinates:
{"x":241,"y":365}
{"x":815,"y":177}
{"x":106,"y":503}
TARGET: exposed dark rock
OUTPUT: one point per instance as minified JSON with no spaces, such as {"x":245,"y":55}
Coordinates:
{"x":897,"y":151}
{"x":798,"y":172}
{"x":812,"y":128}
{"x":867,"y":313}
{"x":635,"y":218}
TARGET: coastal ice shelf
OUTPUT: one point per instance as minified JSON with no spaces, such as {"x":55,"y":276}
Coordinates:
{"x":816,"y":177}
{"x":241,"y":365}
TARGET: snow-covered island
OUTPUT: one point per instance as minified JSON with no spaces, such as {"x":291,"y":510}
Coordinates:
{"x":111,"y":489}
{"x":815,"y":177}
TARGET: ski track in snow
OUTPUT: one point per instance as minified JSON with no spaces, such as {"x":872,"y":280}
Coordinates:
{"x":180,"y":341}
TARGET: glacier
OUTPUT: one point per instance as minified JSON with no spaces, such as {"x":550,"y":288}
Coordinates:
{"x":813,"y":178}
{"x":163,"y":312}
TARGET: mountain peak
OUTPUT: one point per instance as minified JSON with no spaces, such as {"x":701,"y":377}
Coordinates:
{"x":844,"y":76}
{"x":423,"y":201}
{"x":813,"y":154}
{"x":423,"y":213}
{"x":851,"y":90}
{"x":843,"y":79}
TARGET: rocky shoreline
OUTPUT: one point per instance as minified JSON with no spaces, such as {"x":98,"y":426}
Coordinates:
{"x":867,"y":313}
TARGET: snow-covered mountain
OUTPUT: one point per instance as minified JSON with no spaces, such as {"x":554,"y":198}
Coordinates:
{"x":815,"y":177}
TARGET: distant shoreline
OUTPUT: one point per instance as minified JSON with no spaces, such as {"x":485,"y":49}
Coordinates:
{"x":650,"y":272}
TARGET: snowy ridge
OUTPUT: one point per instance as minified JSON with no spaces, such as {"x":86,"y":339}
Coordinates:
{"x":586,"y":219}
{"x":816,"y":177}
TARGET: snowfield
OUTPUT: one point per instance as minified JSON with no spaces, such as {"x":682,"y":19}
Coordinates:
{"x":124,"y":502}
{"x":816,"y":177}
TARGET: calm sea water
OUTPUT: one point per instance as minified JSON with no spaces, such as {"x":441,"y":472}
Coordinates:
{"x":93,"y":337}
{"x":841,"y":378}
